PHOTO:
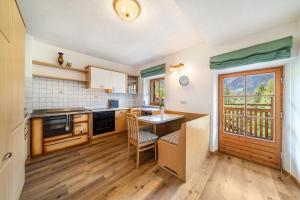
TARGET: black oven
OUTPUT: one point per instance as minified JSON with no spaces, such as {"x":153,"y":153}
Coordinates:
{"x":103,"y":122}
{"x":57,"y":125}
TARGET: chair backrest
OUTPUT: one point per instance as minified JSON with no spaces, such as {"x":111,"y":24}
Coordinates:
{"x":136,"y":111}
{"x":133,"y":127}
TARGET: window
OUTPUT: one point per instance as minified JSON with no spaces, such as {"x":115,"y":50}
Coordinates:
{"x":157,"y":90}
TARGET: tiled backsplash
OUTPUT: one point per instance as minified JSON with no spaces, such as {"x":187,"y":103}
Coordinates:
{"x":42,"y":93}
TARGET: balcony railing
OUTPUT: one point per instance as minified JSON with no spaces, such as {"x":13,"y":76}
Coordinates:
{"x":259,"y":120}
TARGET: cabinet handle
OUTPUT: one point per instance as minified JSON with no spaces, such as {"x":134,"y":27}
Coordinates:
{"x":77,"y":116}
{"x":77,"y":125}
{"x":7,"y":156}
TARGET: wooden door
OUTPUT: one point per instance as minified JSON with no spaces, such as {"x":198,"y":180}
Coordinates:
{"x":250,"y":109}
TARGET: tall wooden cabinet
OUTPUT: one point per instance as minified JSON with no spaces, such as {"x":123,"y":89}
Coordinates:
{"x":12,"y":45}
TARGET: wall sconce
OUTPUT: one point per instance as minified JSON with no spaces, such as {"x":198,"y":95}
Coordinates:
{"x":176,"y":67}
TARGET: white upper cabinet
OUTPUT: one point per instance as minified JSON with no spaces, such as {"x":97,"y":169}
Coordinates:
{"x":100,"y":78}
{"x":119,"y":82}
{"x":106,"y":79}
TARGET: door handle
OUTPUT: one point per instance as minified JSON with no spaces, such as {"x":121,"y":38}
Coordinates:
{"x":7,"y":156}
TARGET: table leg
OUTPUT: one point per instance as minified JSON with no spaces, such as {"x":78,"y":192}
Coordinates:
{"x":154,"y":128}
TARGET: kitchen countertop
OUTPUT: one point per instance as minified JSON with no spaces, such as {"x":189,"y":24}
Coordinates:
{"x":56,"y":112}
{"x":72,"y":111}
{"x":109,"y":109}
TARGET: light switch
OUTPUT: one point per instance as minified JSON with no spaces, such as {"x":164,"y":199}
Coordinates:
{"x":183,"y":102}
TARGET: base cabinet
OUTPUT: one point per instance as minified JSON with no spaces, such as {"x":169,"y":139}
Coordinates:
{"x":64,"y":143}
{"x":12,"y":173}
{"x":78,"y":135}
{"x":121,"y":120}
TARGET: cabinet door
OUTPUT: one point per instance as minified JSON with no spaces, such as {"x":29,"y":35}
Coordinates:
{"x":4,"y":180}
{"x":121,"y":120}
{"x":17,"y":162}
{"x":119,"y":82}
{"x":3,"y":100}
{"x":100,"y":78}
{"x":5,"y":18}
{"x":16,"y":62}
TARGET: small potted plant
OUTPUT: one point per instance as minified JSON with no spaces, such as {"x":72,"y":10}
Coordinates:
{"x":162,"y":106}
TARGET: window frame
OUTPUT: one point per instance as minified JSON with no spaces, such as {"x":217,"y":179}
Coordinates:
{"x":155,"y":103}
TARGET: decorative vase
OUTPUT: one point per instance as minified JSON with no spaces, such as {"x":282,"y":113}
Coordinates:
{"x":162,"y":110}
{"x":69,"y":64}
{"x":60,"y":58}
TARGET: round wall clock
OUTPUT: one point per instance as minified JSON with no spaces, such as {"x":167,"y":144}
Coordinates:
{"x":184,"y":80}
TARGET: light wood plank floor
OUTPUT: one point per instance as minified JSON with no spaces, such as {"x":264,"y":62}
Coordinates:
{"x":101,"y":171}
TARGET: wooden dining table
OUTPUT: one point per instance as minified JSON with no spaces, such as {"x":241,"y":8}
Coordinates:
{"x":163,"y":123}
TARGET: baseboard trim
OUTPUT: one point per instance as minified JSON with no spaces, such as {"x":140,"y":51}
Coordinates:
{"x":213,"y":152}
{"x":292,"y":177}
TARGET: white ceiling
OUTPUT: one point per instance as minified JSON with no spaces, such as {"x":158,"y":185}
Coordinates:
{"x":92,"y":27}
{"x":221,"y":21}
{"x":164,"y":26}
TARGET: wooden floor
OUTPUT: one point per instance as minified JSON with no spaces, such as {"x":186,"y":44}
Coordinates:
{"x":101,"y":171}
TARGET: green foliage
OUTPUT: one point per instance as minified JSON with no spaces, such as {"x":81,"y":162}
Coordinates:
{"x":264,"y":90}
{"x":259,"y":92}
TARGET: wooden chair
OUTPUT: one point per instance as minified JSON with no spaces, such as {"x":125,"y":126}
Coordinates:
{"x":142,"y":125}
{"x":141,"y":139}
{"x":136,"y":111}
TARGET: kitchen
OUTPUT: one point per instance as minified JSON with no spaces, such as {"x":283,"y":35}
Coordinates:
{"x":137,"y":99}
{"x":103,"y":102}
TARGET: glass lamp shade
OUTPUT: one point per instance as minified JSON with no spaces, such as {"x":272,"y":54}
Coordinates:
{"x":127,"y":10}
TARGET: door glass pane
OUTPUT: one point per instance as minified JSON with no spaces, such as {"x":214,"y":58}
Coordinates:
{"x":234,"y":124}
{"x":260,"y":128}
{"x":156,"y":91}
{"x":234,"y":115}
{"x":162,"y":89}
{"x":261,"y":84}
{"x":232,"y":103}
{"x":260,"y":106}
{"x":234,"y":86}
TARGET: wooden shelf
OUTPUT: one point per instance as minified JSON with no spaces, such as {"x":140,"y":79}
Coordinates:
{"x":35,"y":62}
{"x":59,"y":78}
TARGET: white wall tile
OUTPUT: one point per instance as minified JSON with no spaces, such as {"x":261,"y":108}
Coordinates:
{"x":44,"y":93}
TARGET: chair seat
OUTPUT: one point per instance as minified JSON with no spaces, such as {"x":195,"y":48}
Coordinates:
{"x":145,"y":137}
{"x":172,"y":138}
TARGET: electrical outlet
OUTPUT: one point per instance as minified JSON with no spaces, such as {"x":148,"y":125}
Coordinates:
{"x":183,"y":102}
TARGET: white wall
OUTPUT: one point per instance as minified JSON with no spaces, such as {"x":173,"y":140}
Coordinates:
{"x":295,"y":116}
{"x":49,"y":53}
{"x":201,"y":94}
{"x":42,"y":93}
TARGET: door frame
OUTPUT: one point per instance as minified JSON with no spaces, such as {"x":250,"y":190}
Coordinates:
{"x":277,"y":143}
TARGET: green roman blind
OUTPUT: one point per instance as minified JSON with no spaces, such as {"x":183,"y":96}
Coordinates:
{"x":152,"y":71}
{"x":274,"y":50}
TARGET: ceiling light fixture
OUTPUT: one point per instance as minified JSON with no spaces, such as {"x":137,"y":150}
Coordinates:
{"x":127,"y":10}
